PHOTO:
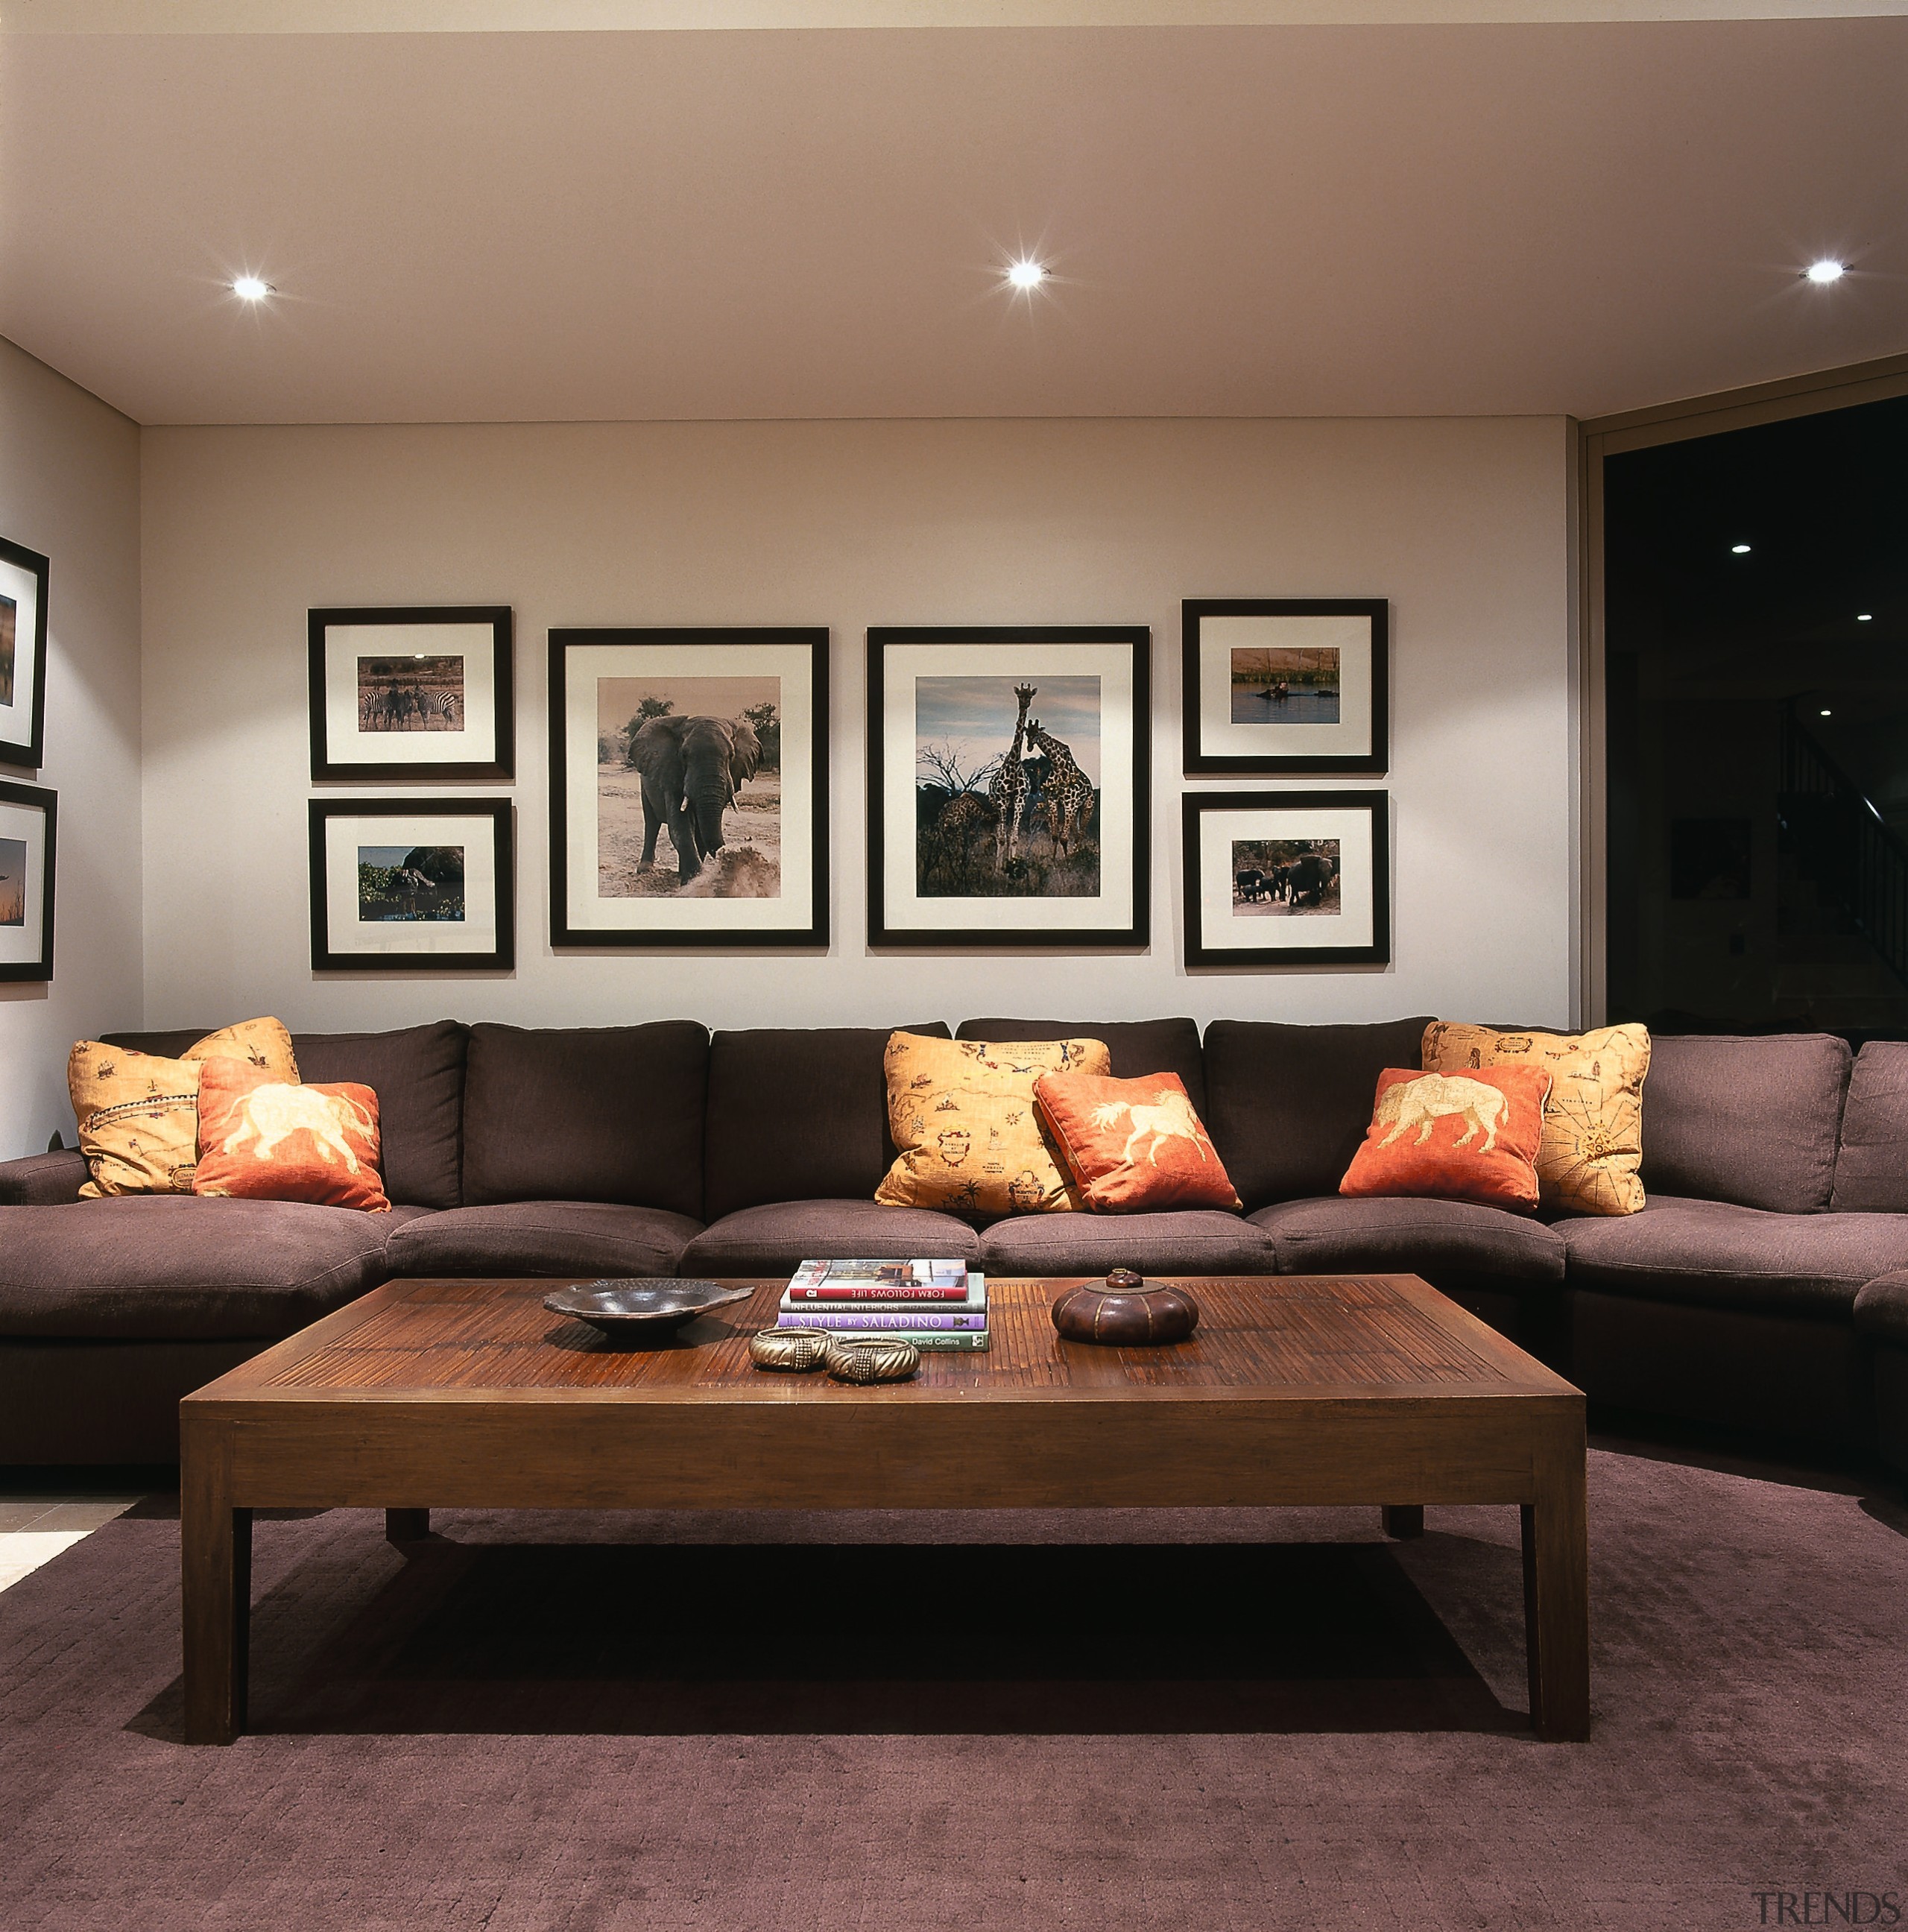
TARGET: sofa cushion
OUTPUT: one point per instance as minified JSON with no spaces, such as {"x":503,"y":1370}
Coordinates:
{"x":1136,"y":1047}
{"x":776,"y":1239}
{"x":1871,"y":1164}
{"x":43,"y":1180}
{"x":417,"y":1073}
{"x":1288,"y":1106}
{"x":1881,"y":1308}
{"x":1190,"y":1241}
{"x":797,"y":1114}
{"x":546,"y":1238}
{"x":1717,"y":1254}
{"x":585,"y":1114}
{"x":1751,"y":1121}
{"x":1442,"y":1241}
{"x":182,"y":1267}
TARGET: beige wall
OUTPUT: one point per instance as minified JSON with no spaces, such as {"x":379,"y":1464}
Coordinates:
{"x":1462,"y":524}
{"x":69,"y":488}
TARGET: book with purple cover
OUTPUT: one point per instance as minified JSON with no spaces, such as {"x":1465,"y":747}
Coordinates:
{"x":910,"y":1319}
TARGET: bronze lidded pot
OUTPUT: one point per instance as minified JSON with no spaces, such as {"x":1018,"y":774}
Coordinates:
{"x":1123,"y":1312}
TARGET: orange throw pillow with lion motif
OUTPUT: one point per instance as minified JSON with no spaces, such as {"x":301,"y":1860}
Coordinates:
{"x":263,"y":1140}
{"x":1469,"y":1136}
{"x":1133,"y":1146}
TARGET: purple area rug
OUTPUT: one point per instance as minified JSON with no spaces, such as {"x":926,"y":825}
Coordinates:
{"x":553,"y":1724}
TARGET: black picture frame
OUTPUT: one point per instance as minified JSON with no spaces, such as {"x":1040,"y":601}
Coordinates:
{"x":1200,"y":948}
{"x":329,"y":763}
{"x":39,"y":968}
{"x":805,"y":645}
{"x":1202,"y":759}
{"x":26,"y":753}
{"x":327,"y":957}
{"x":990,"y":643}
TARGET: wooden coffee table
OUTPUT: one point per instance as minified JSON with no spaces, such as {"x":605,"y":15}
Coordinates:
{"x":1295,"y":1390}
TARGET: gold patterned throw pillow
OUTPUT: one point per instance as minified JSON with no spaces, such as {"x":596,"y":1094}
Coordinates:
{"x":139,"y":1113}
{"x":1592,"y":1148}
{"x":961,"y":1111}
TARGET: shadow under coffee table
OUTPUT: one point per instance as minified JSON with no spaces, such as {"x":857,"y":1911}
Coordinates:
{"x":1295,"y":1390}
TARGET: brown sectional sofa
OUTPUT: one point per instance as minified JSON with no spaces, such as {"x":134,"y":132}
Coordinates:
{"x":1764,"y":1286}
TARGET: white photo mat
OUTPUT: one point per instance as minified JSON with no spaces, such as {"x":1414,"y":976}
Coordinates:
{"x":347,"y":745}
{"x":903,"y":907}
{"x":1224,"y":927}
{"x":348,"y":933}
{"x":23,"y":945}
{"x":587,"y":909}
{"x":21,"y":588}
{"x":1350,"y":635}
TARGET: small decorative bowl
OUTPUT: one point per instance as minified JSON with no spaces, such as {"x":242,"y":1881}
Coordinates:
{"x":1124,"y":1311}
{"x":790,"y":1351}
{"x":871,"y":1358}
{"x":637,"y":1313}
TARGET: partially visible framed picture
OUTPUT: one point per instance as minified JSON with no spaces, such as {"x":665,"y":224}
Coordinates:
{"x":689,"y":788}
{"x":23,"y":656}
{"x":28,"y":822}
{"x":1287,"y":685}
{"x":418,"y":695}
{"x":1007,"y":786}
{"x":1293,"y":878}
{"x":417,"y":885}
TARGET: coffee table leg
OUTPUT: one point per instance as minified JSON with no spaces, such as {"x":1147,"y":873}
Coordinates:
{"x":1557,"y":1595}
{"x":215,"y":1542}
{"x":1404,"y":1520}
{"x":406,"y":1525}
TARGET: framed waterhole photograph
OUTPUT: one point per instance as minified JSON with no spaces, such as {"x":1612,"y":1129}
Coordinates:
{"x":688,"y":777}
{"x":23,"y":578}
{"x":28,"y":816}
{"x":417,"y":885}
{"x":1288,"y":878}
{"x":412,"y":694}
{"x":1007,"y":786}
{"x":1285,"y":685}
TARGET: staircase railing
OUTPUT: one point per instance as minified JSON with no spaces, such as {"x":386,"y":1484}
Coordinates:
{"x":1843,"y":844}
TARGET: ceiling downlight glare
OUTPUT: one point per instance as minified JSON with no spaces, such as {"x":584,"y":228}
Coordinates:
{"x":1824,"y":271}
{"x":249,"y":288}
{"x":1739,"y":550}
{"x":1026,"y":276}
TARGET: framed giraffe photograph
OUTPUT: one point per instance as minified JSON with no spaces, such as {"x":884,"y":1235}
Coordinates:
{"x":1007,"y":786}
{"x":413,"y":695}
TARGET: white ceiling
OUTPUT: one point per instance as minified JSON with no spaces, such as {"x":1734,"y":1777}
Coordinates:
{"x":1260,"y":219}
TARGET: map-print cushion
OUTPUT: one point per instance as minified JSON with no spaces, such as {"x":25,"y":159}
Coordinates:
{"x":1458,"y":1136}
{"x":1133,"y":1146}
{"x":270,"y":1140}
{"x":139,"y":1112}
{"x":1593,"y":1126}
{"x":961,"y":1112}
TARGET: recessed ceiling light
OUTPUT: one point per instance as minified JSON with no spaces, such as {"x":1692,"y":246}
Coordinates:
{"x":1027,"y":274}
{"x":1827,"y":714}
{"x":1739,"y":550}
{"x":1864,"y":616}
{"x":249,"y":288}
{"x":1825,"y":270}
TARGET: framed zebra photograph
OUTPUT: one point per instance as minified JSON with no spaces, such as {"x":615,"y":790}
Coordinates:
{"x":1007,"y":778}
{"x":416,"y":694}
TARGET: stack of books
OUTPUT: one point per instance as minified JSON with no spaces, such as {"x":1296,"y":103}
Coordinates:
{"x":933,"y":1304}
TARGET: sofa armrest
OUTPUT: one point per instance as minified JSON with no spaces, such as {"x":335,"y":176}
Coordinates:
{"x":43,"y":1180}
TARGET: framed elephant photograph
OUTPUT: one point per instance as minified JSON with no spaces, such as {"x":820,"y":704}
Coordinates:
{"x":1292,"y":878}
{"x":1274,"y":685}
{"x":689,"y":788}
{"x":1007,"y":776}
{"x":412,"y":884}
{"x":412,"y":695}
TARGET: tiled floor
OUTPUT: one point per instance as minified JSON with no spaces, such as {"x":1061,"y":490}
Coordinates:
{"x":34,"y":1529}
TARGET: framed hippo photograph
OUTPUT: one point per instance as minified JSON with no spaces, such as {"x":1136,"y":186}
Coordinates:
{"x":689,"y":788}
{"x":1285,"y":685}
{"x":412,"y":884}
{"x":1007,"y":786}
{"x":1295,"y":878}
{"x":23,"y":575}
{"x":412,"y":694}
